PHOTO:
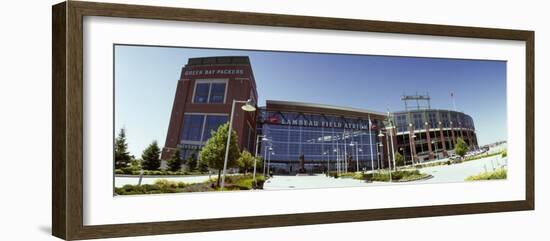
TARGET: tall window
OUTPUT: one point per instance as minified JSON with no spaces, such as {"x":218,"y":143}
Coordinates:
{"x":212,"y":124}
{"x":198,"y":127}
{"x":217,"y":93}
{"x":212,"y":92}
{"x":201,"y":92}
{"x":192,"y":127}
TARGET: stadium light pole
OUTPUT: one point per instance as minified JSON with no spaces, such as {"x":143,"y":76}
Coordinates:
{"x":248,"y":107}
{"x":264,"y":138}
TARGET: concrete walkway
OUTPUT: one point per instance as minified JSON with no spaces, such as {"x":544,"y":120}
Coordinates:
{"x":441,"y":174}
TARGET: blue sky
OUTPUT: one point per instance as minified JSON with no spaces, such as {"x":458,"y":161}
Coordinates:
{"x":146,"y":79}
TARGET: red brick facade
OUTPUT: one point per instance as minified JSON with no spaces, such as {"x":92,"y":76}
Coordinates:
{"x":237,"y":73}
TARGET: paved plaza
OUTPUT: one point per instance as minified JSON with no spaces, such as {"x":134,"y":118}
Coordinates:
{"x":441,"y":174}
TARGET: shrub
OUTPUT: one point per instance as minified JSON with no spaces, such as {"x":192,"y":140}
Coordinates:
{"x":504,"y":153}
{"x":500,"y":173}
{"x":400,"y":175}
{"x":129,"y":170}
{"x":198,"y":187}
{"x":333,"y":174}
{"x":381,"y":176}
{"x":163,"y":183}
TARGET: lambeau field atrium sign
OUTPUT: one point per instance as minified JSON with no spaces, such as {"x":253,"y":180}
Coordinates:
{"x":327,"y":124}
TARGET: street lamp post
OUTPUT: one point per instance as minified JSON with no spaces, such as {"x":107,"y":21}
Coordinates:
{"x":356,"y":145}
{"x":401,"y":149}
{"x":265,"y":159}
{"x":328,"y":163}
{"x":269,"y":160}
{"x":361,"y":151}
{"x":249,"y":107}
{"x":264,"y":138}
{"x":390,"y":134}
{"x":337,"y":165}
{"x":388,"y":146}
{"x":413,"y":145}
{"x":370,"y":145}
{"x":380,"y":151}
{"x":345,"y":152}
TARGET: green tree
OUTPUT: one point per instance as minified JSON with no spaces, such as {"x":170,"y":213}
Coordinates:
{"x":175,"y":161}
{"x":151,"y":157}
{"x":122,"y":156}
{"x":135,"y":163}
{"x":245,"y":161}
{"x":192,"y":162}
{"x":399,"y":160}
{"x":202,"y":167}
{"x":461,"y":148}
{"x":213,"y":153}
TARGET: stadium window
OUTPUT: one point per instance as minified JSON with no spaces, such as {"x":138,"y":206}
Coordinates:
{"x":213,"y":122}
{"x":192,"y":127}
{"x":209,"y":92}
{"x":217,"y":93}
{"x":198,"y":127}
{"x":201,"y":92}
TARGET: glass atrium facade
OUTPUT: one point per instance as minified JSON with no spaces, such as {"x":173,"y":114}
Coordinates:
{"x":324,"y":140}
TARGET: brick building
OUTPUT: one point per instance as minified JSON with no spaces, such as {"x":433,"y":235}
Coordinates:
{"x":203,"y":99}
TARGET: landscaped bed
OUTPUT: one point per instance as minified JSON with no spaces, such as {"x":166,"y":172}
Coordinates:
{"x":239,"y":182}
{"x":396,"y":176}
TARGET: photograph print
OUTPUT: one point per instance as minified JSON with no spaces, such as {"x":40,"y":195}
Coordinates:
{"x":209,"y":120}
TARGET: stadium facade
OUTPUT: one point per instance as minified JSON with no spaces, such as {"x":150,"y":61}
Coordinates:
{"x":317,"y":136}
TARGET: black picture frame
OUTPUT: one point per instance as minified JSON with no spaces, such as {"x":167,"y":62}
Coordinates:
{"x":67,"y":123}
